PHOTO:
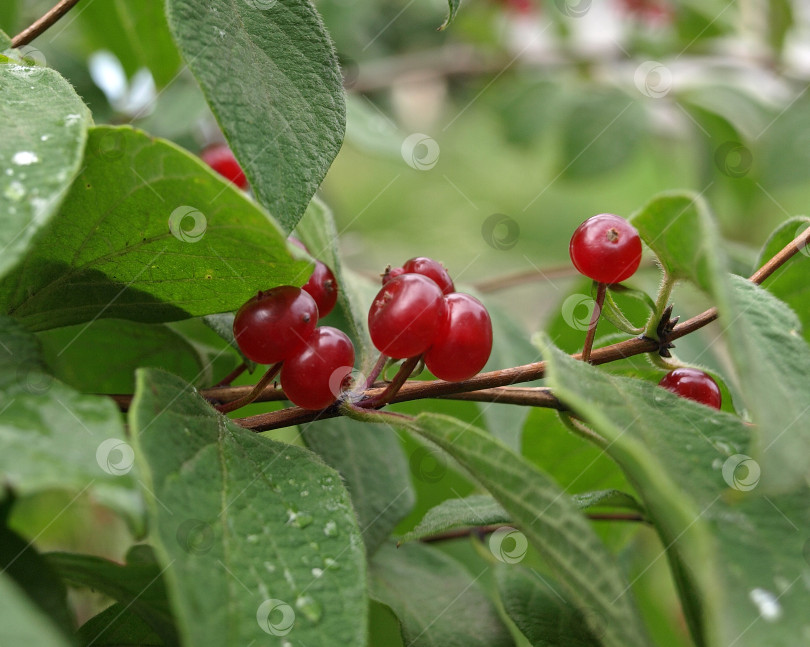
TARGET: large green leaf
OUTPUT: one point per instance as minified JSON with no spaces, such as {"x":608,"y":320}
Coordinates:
{"x":270,"y":74}
{"x":544,"y":617}
{"x":789,"y":282}
{"x":119,"y":26}
{"x":258,"y":537}
{"x":550,"y":522}
{"x":42,"y":137}
{"x":372,"y":463}
{"x":148,"y":233}
{"x":435,"y":598}
{"x":678,"y":228}
{"x":737,"y":555}
{"x":101,"y":357}
{"x":52,"y":437}
{"x":138,"y":584}
{"x":23,"y":622}
{"x":483,"y":510}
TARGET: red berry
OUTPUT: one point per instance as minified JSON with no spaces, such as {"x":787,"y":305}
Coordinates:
{"x":275,"y":324}
{"x":431,"y":269}
{"x":220,"y":158}
{"x":391,"y":273}
{"x":464,"y":339}
{"x":322,"y":284}
{"x":312,"y":378}
{"x":405,"y":316}
{"x":693,"y":384}
{"x":323,"y":287}
{"x":606,"y":248}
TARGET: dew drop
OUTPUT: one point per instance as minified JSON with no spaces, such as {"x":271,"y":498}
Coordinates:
{"x":317,"y":572}
{"x":330,"y":529}
{"x":252,"y":539}
{"x":717,"y":463}
{"x":24,"y":158}
{"x":14,"y":191}
{"x":304,"y":492}
{"x":271,"y":568}
{"x":769,"y":607}
{"x":307,"y":605}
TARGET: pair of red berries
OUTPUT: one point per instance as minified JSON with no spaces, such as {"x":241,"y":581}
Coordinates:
{"x":418,"y":312}
{"x":607,"y":249}
{"x":279,"y":325}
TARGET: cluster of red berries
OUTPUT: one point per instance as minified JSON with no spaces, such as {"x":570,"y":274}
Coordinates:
{"x":280,"y":325}
{"x":418,"y":313}
{"x":607,"y":249}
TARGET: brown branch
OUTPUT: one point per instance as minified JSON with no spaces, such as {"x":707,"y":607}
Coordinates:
{"x":43,"y":24}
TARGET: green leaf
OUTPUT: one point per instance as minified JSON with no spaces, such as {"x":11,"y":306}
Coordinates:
{"x":118,"y":626}
{"x":677,"y":226}
{"x":435,"y":598}
{"x":21,"y":562}
{"x":452,"y":10}
{"x":317,"y":230}
{"x":119,"y":26}
{"x":138,"y":585}
{"x":702,"y":494}
{"x":258,"y":536}
{"x":101,"y":357}
{"x":601,"y":131}
{"x":551,"y":524}
{"x":52,"y":437}
{"x":275,"y":56}
{"x":147,"y":233}
{"x":374,"y":468}
{"x":789,"y":282}
{"x":23,"y":622}
{"x":538,"y":610}
{"x":483,"y":510}
{"x":612,"y":311}
{"x":772,"y":362}
{"x":5,"y":39}
{"x":42,"y":137}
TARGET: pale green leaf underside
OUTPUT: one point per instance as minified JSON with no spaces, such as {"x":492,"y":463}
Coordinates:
{"x":149,"y":233}
{"x":436,"y":600}
{"x":551,"y":523}
{"x":22,"y":622}
{"x":239,"y":520}
{"x":736,"y":546}
{"x":271,"y":77}
{"x":55,"y":438}
{"x":42,"y":137}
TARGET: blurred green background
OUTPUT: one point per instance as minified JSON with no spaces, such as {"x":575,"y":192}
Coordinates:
{"x":484,"y":146}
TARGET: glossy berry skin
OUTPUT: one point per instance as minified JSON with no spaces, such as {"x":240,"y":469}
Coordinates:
{"x":464,"y":339}
{"x":405,"y":316}
{"x":606,"y":248}
{"x":312,"y":378}
{"x":693,"y":384}
{"x":322,"y":284}
{"x":274,"y":325}
{"x":220,"y":158}
{"x":431,"y":269}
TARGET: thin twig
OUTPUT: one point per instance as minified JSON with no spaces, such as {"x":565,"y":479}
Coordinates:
{"x":254,"y":393}
{"x":601,"y":290}
{"x":43,"y":24}
{"x":230,"y":377}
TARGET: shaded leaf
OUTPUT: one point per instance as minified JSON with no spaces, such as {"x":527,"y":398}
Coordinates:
{"x":118,"y":626}
{"x":23,"y":622}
